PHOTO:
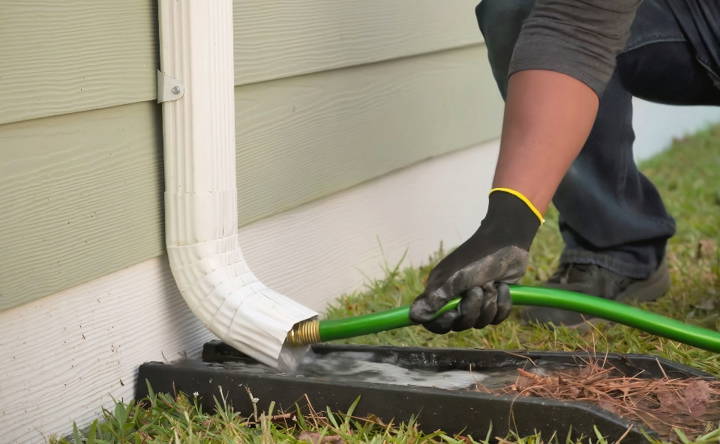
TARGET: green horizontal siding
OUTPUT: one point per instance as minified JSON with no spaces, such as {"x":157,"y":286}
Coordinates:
{"x":81,"y":194}
{"x":331,"y":93}
{"x":306,"y":137}
{"x":59,"y":57}
{"x":80,"y":198}
{"x":276,"y":39}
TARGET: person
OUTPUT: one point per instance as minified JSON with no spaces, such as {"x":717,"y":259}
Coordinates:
{"x":568,"y":70}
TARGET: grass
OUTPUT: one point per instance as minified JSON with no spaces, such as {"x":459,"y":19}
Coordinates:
{"x":688,"y":177}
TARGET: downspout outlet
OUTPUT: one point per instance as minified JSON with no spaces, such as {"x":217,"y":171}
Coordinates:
{"x":196,"y":52}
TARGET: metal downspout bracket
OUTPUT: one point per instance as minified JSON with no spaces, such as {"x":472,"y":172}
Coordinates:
{"x":168,"y":88}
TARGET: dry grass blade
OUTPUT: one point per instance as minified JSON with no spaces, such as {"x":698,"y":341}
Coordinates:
{"x":318,"y":438}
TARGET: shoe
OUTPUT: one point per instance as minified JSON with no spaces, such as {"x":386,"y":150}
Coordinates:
{"x":597,"y":281}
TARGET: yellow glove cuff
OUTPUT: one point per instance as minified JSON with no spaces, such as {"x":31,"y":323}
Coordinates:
{"x":522,"y":197}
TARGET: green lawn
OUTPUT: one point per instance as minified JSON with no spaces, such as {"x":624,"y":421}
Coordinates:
{"x":688,"y":176}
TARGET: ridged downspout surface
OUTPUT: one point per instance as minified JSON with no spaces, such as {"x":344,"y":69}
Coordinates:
{"x":200,"y":186}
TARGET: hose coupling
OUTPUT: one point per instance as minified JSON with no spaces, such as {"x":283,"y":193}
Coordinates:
{"x":305,"y":333}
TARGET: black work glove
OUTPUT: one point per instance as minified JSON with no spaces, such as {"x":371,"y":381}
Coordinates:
{"x":480,"y":268}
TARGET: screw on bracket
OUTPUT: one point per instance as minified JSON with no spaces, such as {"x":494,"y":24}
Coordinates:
{"x":169,"y":88}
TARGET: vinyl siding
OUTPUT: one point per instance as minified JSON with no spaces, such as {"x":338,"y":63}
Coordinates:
{"x":330,"y":94}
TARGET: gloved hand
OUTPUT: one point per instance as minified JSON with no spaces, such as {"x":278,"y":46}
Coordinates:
{"x":480,"y":268}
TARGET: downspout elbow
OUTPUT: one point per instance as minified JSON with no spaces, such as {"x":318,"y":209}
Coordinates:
{"x":200,"y":186}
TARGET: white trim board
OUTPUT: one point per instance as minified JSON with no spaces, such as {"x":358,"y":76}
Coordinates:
{"x":64,"y":356}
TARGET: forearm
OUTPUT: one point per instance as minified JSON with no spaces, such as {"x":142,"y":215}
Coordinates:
{"x":563,"y":58}
{"x":548,"y":117}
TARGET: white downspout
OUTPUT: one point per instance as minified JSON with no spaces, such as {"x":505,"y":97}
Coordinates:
{"x":197,"y":90}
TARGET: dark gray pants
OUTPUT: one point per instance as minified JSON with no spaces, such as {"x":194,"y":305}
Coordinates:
{"x":611,"y":215}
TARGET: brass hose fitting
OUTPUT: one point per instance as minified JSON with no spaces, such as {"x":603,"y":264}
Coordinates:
{"x":305,"y":333}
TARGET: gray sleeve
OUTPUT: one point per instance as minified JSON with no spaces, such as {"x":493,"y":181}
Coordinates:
{"x":580,"y":38}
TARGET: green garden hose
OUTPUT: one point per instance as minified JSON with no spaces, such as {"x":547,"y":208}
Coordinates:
{"x":314,"y":331}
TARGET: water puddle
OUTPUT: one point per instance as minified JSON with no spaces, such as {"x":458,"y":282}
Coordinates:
{"x":370,"y":368}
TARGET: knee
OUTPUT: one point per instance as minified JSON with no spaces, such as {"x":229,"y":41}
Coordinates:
{"x":500,"y":20}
